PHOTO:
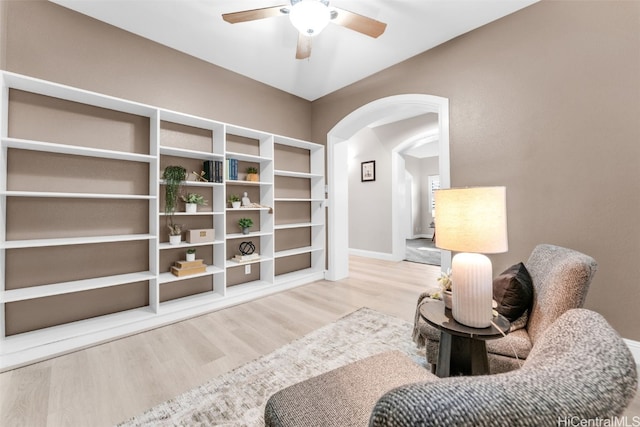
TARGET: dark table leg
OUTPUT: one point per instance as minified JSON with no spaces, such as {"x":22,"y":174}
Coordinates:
{"x":461,"y":356}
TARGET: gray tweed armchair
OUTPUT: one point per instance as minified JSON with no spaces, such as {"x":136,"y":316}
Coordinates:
{"x":561,"y":279}
{"x":578,"y":369}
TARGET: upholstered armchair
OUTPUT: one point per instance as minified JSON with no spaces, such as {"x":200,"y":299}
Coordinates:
{"x":578,"y":369}
{"x":561,"y":279}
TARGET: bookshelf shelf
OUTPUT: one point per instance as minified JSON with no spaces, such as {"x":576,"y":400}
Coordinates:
{"x":134,"y":245}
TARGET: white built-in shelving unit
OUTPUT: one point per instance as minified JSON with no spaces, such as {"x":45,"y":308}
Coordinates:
{"x":291,"y":248}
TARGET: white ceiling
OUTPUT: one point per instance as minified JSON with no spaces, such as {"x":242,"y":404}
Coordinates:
{"x":264,"y":50}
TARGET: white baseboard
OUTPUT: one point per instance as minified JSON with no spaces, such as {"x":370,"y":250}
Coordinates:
{"x":370,"y":254}
{"x":634,"y":346}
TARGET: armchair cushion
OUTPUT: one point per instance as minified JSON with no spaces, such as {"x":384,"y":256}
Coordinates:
{"x":513,"y":291}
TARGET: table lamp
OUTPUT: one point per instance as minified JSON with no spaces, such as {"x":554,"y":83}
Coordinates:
{"x":472,"y":222}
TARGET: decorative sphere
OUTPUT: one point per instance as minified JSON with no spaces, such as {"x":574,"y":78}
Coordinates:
{"x":247,"y":248}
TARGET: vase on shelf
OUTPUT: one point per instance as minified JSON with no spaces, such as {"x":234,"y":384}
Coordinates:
{"x":190,"y":207}
{"x":175,"y":240}
{"x":447,"y":297}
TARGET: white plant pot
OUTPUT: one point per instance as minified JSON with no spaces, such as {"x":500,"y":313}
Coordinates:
{"x":191,"y":257}
{"x":190,"y":207}
{"x":175,"y":240}
{"x":235,"y":205}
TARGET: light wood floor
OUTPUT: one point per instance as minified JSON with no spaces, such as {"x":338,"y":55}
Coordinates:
{"x":109,"y":383}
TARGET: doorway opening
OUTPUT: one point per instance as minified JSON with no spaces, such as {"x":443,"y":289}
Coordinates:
{"x":337,"y":152}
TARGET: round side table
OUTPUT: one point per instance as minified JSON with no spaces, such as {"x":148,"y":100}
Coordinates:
{"x":462,"y":350}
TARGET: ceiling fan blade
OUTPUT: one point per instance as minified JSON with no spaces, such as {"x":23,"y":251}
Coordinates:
{"x":253,"y":15}
{"x":367,"y":26}
{"x":304,"y":46}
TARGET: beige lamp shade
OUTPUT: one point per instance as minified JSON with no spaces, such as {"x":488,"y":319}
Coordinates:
{"x":472,"y":219}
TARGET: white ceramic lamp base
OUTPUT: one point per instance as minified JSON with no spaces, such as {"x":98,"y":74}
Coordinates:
{"x":472,"y":289}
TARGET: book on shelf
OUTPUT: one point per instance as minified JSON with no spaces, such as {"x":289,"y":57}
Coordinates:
{"x":213,"y":170}
{"x":246,"y":258}
{"x":188,"y":268}
{"x":232,"y":169}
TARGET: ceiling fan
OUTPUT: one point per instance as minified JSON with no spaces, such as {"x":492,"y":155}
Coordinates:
{"x":310,"y":17}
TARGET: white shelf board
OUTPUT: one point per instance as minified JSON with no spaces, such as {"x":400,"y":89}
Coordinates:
{"x":296,"y":225}
{"x":185,"y":244}
{"x":284,"y":140}
{"x":293,"y":199}
{"x":190,"y":120}
{"x":296,"y":251}
{"x":191,"y":154}
{"x":169,"y":277}
{"x":293,"y":174}
{"x":55,"y":90}
{"x":39,"y":243}
{"x":247,"y":157}
{"x":193,"y":214}
{"x":60,"y":195}
{"x":248,"y":183}
{"x":73,"y":286}
{"x":244,"y":288}
{"x":189,"y":302}
{"x":246,"y":209}
{"x":196,"y":183}
{"x":51,"y":147}
{"x":231,"y":264}
{"x":244,"y":236}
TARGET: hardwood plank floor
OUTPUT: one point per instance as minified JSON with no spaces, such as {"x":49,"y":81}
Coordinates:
{"x":112,"y":382}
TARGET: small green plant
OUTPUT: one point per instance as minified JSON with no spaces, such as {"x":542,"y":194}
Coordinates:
{"x":194,"y":198}
{"x":191,"y":251}
{"x":245,"y":223}
{"x":174,"y":176}
{"x":233,"y":198}
{"x":252,"y":169}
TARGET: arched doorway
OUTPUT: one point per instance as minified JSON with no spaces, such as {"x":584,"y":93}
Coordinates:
{"x":337,"y":142}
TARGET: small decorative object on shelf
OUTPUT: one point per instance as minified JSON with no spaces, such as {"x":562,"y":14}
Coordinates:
{"x":192,"y":201}
{"x":446,"y":285}
{"x":246,"y":202}
{"x":247,"y":253}
{"x":234,"y":200}
{"x":245,"y":224}
{"x":174,"y":176}
{"x":175,"y":233}
{"x":252,"y":174}
{"x":203,"y":235}
{"x":188,"y":268}
{"x":200,"y":177}
{"x":191,"y":254}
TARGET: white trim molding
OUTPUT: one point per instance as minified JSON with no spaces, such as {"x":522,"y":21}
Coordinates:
{"x":371,"y":254}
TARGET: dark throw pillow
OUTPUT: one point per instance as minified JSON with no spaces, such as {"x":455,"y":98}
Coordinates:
{"x":513,"y":291}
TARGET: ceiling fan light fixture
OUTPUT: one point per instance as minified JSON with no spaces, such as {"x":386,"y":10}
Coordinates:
{"x":310,"y":16}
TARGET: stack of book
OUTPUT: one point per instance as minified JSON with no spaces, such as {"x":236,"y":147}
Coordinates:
{"x":232,"y":169}
{"x":246,"y":258}
{"x":213,"y":170}
{"x":187,"y":268}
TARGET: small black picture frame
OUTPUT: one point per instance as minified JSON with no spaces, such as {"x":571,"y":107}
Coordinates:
{"x":368,"y":171}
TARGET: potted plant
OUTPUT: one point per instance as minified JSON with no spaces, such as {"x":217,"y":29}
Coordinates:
{"x":245,"y":224}
{"x":175,"y":233}
{"x":252,"y":174}
{"x":446,"y":285}
{"x":174,"y":176}
{"x":234,"y":199}
{"x":191,"y":254}
{"x":192,"y":201}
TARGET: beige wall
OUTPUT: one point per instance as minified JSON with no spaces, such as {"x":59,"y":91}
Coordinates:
{"x":547,"y":102}
{"x":50,"y":42}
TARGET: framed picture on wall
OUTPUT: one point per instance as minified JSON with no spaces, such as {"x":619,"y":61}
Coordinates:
{"x":368,"y":171}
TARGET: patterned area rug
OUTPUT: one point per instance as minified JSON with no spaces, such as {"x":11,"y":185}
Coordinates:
{"x":238,"y":398}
